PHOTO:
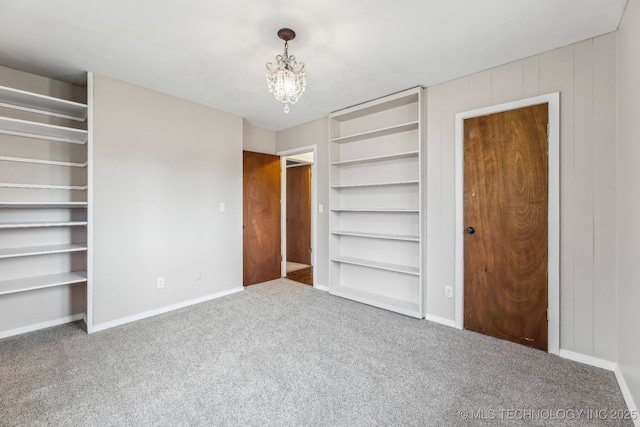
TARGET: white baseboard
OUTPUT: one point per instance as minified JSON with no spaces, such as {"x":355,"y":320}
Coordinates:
{"x":587,"y":360}
{"x":162,"y":310}
{"x":628,"y":398}
{"x":441,"y":320}
{"x":43,"y":325}
{"x":321,"y":288}
{"x":610,"y":366}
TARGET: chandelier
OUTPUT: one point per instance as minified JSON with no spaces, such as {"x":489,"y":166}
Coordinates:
{"x":286,"y":79}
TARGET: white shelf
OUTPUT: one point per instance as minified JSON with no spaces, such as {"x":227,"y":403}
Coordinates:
{"x":42,"y":104}
{"x":40,"y":224}
{"x":379,"y":265}
{"x":32,"y":283}
{"x":376,"y":184}
{"x":404,"y":237}
{"x":45,"y":205}
{"x":405,"y":155}
{"x":377,"y":105}
{"x":392,"y":304}
{"x":383,"y":210}
{"x":42,"y":162}
{"x":42,"y":250}
{"x":44,"y":187}
{"x":25,"y":128}
{"x":405,"y":127}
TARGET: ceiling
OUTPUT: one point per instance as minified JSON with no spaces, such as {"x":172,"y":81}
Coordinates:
{"x":213,"y":52}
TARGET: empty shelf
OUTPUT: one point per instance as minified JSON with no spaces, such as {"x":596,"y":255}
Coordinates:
{"x":377,"y":133}
{"x":385,"y":210}
{"x":43,"y":162}
{"x":41,"y":224}
{"x":379,"y":265}
{"x":404,"y":155}
{"x":378,"y":235}
{"x":380,"y":301}
{"x":36,"y":103}
{"x":44,"y":205}
{"x":42,"y":131}
{"x":376,"y":184}
{"x":43,"y":187}
{"x":31,"y":283}
{"x":42,"y":250}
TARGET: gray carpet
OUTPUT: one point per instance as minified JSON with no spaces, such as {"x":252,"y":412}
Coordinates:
{"x":282,"y":354}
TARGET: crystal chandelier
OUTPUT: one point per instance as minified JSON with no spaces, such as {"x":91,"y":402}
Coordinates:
{"x":286,"y":80}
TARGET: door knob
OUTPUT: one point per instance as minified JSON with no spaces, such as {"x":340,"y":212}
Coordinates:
{"x":470,"y":230}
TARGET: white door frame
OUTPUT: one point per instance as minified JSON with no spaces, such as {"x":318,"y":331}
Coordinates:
{"x":314,"y":209}
{"x":553,"y":100}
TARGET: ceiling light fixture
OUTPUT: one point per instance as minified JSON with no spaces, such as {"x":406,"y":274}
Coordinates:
{"x":286,"y":79}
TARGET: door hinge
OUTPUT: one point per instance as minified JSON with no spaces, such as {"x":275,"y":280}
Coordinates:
{"x":547,"y":314}
{"x":547,"y":131}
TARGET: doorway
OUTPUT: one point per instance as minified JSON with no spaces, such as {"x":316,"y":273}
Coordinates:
{"x":298,"y":215}
{"x":507,"y":221}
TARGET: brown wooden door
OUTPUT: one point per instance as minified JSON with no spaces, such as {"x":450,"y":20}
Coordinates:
{"x":299,"y":214}
{"x":261,"y":218}
{"x":505,"y":202}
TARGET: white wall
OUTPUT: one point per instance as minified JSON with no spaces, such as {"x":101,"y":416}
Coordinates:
{"x":161,"y":167}
{"x":584,"y":74}
{"x":629,"y":198}
{"x":316,"y":132}
{"x":257,"y":139}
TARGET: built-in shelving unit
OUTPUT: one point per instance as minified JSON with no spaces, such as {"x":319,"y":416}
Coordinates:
{"x":375,"y":203}
{"x":41,"y":222}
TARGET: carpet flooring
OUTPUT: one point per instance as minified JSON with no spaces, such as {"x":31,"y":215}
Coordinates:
{"x":285,"y":354}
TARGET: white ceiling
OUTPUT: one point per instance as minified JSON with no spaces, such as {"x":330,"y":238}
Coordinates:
{"x":214,"y":52}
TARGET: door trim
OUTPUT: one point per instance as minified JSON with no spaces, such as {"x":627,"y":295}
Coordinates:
{"x":314,"y":207}
{"x":553,"y":100}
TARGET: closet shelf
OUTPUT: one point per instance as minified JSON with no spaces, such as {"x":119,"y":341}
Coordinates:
{"x":42,"y":250}
{"x":44,"y":187}
{"x":404,"y":237}
{"x":43,"y":162}
{"x":29,"y":129}
{"x":405,"y":127}
{"x":42,"y":104}
{"x":43,"y":205}
{"x":40,"y":224}
{"x":377,"y":264}
{"x":40,"y":282}
{"x":380,"y":301}
{"x":373,"y":159}
{"x":376,"y":184}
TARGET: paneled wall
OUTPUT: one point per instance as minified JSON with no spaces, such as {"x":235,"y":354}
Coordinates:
{"x":629,"y":198}
{"x":585,"y":76}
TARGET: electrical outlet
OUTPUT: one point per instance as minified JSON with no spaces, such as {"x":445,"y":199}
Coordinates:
{"x":160,"y":283}
{"x":448,"y":291}
{"x":198,"y":276}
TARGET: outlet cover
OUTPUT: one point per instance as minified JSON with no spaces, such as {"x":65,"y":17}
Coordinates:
{"x":448,"y":291}
{"x":160,"y":283}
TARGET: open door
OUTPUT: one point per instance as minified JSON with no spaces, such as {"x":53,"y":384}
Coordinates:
{"x":261,"y":218}
{"x":299,"y":214}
